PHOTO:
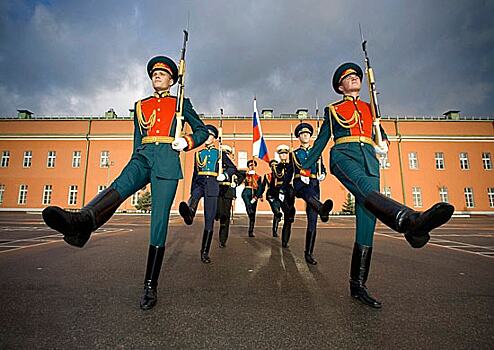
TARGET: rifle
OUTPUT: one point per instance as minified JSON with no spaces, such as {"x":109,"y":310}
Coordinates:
{"x":220,"y":143}
{"x":319,"y":160}
{"x":181,"y":85}
{"x":371,"y":83}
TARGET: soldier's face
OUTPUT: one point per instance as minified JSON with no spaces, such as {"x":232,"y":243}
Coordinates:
{"x":283,"y":156}
{"x":162,"y":80}
{"x":350,"y":83}
{"x":304,"y":137}
{"x":210,"y":140}
{"x":252,"y":166}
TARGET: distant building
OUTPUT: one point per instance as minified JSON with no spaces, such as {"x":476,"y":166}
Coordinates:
{"x":66,"y":161}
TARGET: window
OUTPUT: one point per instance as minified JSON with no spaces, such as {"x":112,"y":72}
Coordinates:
{"x":104,"y":161}
{"x":242,"y":159}
{"x":135,"y":198}
{"x":490,"y":194}
{"x":47,"y":194}
{"x":439,"y":157}
{"x":387,"y":191}
{"x":73,"y":195}
{"x":417,"y":197}
{"x":443,"y":194}
{"x":469,"y":197}
{"x":76,"y":159}
{"x":2,"y":192}
{"x":464,"y":164}
{"x":101,"y":188}
{"x":486,"y":160}
{"x":384,"y":162}
{"x":413,"y":161}
{"x":5,"y":159}
{"x":28,"y":156}
{"x":52,"y":155}
{"x":22,"y":199}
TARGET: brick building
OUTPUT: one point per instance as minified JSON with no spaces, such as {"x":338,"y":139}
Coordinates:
{"x":65,"y":161}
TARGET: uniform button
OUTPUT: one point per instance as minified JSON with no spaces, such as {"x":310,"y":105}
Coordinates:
{"x":159,"y":118}
{"x":157,"y":131}
{"x":156,"y":143}
{"x":159,"y":100}
{"x":159,"y":109}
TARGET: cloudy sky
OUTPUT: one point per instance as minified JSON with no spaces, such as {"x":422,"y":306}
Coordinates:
{"x":68,"y":57}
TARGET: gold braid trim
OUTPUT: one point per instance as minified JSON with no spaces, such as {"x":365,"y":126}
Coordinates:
{"x":143,"y":124}
{"x":280,"y":174}
{"x":347,"y":124}
{"x":200,"y":163}
{"x":295,"y":160}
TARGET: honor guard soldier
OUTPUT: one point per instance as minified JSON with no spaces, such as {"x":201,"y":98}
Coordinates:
{"x":354,"y":163}
{"x":155,"y":159}
{"x":269,"y":185}
{"x":308,"y":188}
{"x":205,"y":183}
{"x":252,"y":193}
{"x":226,"y":195}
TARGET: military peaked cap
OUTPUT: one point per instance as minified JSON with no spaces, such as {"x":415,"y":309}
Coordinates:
{"x":163,"y":63}
{"x":212,"y":130}
{"x":303,"y":127}
{"x":343,"y":71}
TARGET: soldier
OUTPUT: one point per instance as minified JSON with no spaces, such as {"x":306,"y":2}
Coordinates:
{"x":308,"y":188}
{"x":226,"y":195}
{"x":252,"y":193}
{"x":354,"y":163}
{"x":155,"y":159}
{"x":205,"y":183}
{"x":269,"y":185}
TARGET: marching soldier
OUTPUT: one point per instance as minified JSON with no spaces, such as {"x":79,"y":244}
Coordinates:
{"x":155,"y":159}
{"x":308,"y":188}
{"x":269,"y":185}
{"x":252,"y":193}
{"x":205,"y":183}
{"x":354,"y":163}
{"x":226,"y":195}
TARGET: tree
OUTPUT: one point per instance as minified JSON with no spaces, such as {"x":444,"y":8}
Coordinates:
{"x":144,"y":202}
{"x":349,"y":205}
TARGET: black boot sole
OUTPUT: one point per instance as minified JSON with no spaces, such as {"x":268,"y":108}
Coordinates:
{"x":438,"y":215}
{"x":185,"y":213}
{"x":325,"y":210}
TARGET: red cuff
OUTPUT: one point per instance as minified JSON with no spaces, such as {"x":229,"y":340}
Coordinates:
{"x":190,"y":142}
{"x":305,"y":172}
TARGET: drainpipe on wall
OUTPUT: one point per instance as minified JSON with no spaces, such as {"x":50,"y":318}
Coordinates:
{"x":86,"y":166}
{"x":398,"y":135}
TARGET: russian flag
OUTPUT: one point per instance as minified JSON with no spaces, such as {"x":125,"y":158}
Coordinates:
{"x":259,"y":148}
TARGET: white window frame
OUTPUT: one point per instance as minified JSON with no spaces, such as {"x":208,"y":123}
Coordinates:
{"x":486,"y":160}
{"x":135,"y":198}
{"x":413,"y":160}
{"x":490,"y":195}
{"x":47,"y":191}
{"x":387,"y":191}
{"x":464,"y":162}
{"x":469,"y":199}
{"x":51,"y":159}
{"x":104,"y":160}
{"x":101,"y":188}
{"x":76,"y":159}
{"x":439,"y":160}
{"x":5,"y":159}
{"x":443,"y":194}
{"x":417,"y":197}
{"x":22,"y":197}
{"x":2,"y":192}
{"x":384,"y":162}
{"x":28,"y":159}
{"x":72,"y":198}
{"x":242,"y":159}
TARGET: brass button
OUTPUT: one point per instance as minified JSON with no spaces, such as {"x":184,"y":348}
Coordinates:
{"x":159,"y":119}
{"x":159,"y":100}
{"x":159,"y":109}
{"x":157,"y":131}
{"x":156,"y":143}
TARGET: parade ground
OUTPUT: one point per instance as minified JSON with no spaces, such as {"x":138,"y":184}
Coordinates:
{"x":253,"y":295}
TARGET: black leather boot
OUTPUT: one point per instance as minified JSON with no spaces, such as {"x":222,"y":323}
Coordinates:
{"x":310,"y":241}
{"x":252,"y":221}
{"x":153,"y":268}
{"x":223,"y":234}
{"x":286,"y":232}
{"x":78,"y":226}
{"x":415,"y":225}
{"x":188,"y":210}
{"x":323,"y":209}
{"x":359,"y":272}
{"x":207,"y":237}
{"x":276,"y":223}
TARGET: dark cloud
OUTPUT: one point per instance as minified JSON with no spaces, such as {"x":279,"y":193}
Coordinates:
{"x":83,"y":57}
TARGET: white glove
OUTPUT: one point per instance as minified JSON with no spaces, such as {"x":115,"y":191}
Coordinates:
{"x":179,"y":144}
{"x":305,"y":179}
{"x":251,"y":172}
{"x":221,"y":177}
{"x":381,"y":149}
{"x":233,"y":184}
{"x":321,"y":177}
{"x":253,"y":200}
{"x":281,"y":196}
